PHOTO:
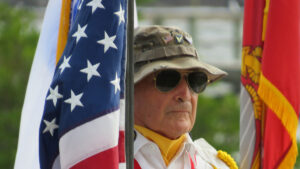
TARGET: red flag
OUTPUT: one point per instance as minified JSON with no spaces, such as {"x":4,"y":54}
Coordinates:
{"x":272,"y":78}
{"x":279,"y":83}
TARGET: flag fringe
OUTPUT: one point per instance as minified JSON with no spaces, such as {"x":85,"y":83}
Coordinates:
{"x":265,"y":19}
{"x":290,"y":158}
{"x":64,"y":26}
{"x":278,"y":103}
{"x":256,"y":162}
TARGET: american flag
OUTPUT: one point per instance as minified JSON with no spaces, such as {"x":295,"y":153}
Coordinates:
{"x":83,"y":120}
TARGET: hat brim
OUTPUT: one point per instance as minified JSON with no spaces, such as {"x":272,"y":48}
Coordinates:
{"x":212,"y":72}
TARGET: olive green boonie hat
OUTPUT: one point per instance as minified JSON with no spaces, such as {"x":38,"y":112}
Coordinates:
{"x":161,"y":47}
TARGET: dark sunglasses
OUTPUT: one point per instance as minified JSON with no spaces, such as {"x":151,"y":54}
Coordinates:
{"x":166,"y":80}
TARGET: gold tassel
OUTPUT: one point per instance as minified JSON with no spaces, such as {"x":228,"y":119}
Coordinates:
{"x":227,"y":159}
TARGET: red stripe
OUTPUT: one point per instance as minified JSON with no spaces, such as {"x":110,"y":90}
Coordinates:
{"x":191,"y":161}
{"x":108,"y":159}
{"x":122,"y":146}
{"x":136,"y":165}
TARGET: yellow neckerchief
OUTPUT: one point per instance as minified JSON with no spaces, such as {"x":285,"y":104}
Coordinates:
{"x":168,"y":148}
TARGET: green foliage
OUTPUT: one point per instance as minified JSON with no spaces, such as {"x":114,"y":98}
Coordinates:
{"x":297,"y":165}
{"x":143,"y":2}
{"x":218,"y":122}
{"x":18,"y":39}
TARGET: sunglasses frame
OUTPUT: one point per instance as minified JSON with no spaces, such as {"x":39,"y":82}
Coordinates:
{"x":184,"y":73}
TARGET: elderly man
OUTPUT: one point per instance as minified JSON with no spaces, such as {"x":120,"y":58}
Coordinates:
{"x":168,"y":78}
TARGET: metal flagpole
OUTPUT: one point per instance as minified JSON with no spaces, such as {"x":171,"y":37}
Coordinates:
{"x":129,"y":88}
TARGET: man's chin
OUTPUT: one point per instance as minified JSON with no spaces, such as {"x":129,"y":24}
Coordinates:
{"x":179,"y":129}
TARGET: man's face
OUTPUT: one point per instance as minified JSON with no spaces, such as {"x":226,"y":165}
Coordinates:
{"x":170,"y":114}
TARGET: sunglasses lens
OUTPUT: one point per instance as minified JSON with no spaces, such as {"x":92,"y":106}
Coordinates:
{"x":166,"y":80}
{"x":197,"y":81}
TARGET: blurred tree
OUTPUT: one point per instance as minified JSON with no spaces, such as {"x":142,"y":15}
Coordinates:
{"x":18,"y":39}
{"x":36,"y":3}
{"x":144,"y":2}
{"x":218,"y":122}
{"x":297,"y":165}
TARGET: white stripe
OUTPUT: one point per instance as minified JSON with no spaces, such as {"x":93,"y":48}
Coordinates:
{"x":247,"y":129}
{"x":89,"y":139}
{"x":246,"y":103}
{"x":136,"y":21}
{"x":246,"y":158}
{"x":56,"y":164}
{"x":246,"y":119}
{"x":122,"y":114}
{"x":41,"y":74}
{"x":122,"y":165}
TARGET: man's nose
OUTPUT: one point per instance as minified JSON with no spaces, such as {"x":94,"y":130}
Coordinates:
{"x":183,"y":92}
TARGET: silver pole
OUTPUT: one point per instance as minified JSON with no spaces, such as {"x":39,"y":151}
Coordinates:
{"x":129,"y":88}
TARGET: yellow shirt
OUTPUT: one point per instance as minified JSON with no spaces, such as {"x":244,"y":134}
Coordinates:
{"x":168,"y":147}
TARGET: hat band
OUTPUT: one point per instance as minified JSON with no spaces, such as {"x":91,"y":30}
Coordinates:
{"x":163,"y":52}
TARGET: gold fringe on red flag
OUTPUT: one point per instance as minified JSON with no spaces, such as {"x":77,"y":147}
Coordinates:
{"x":278,"y":103}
